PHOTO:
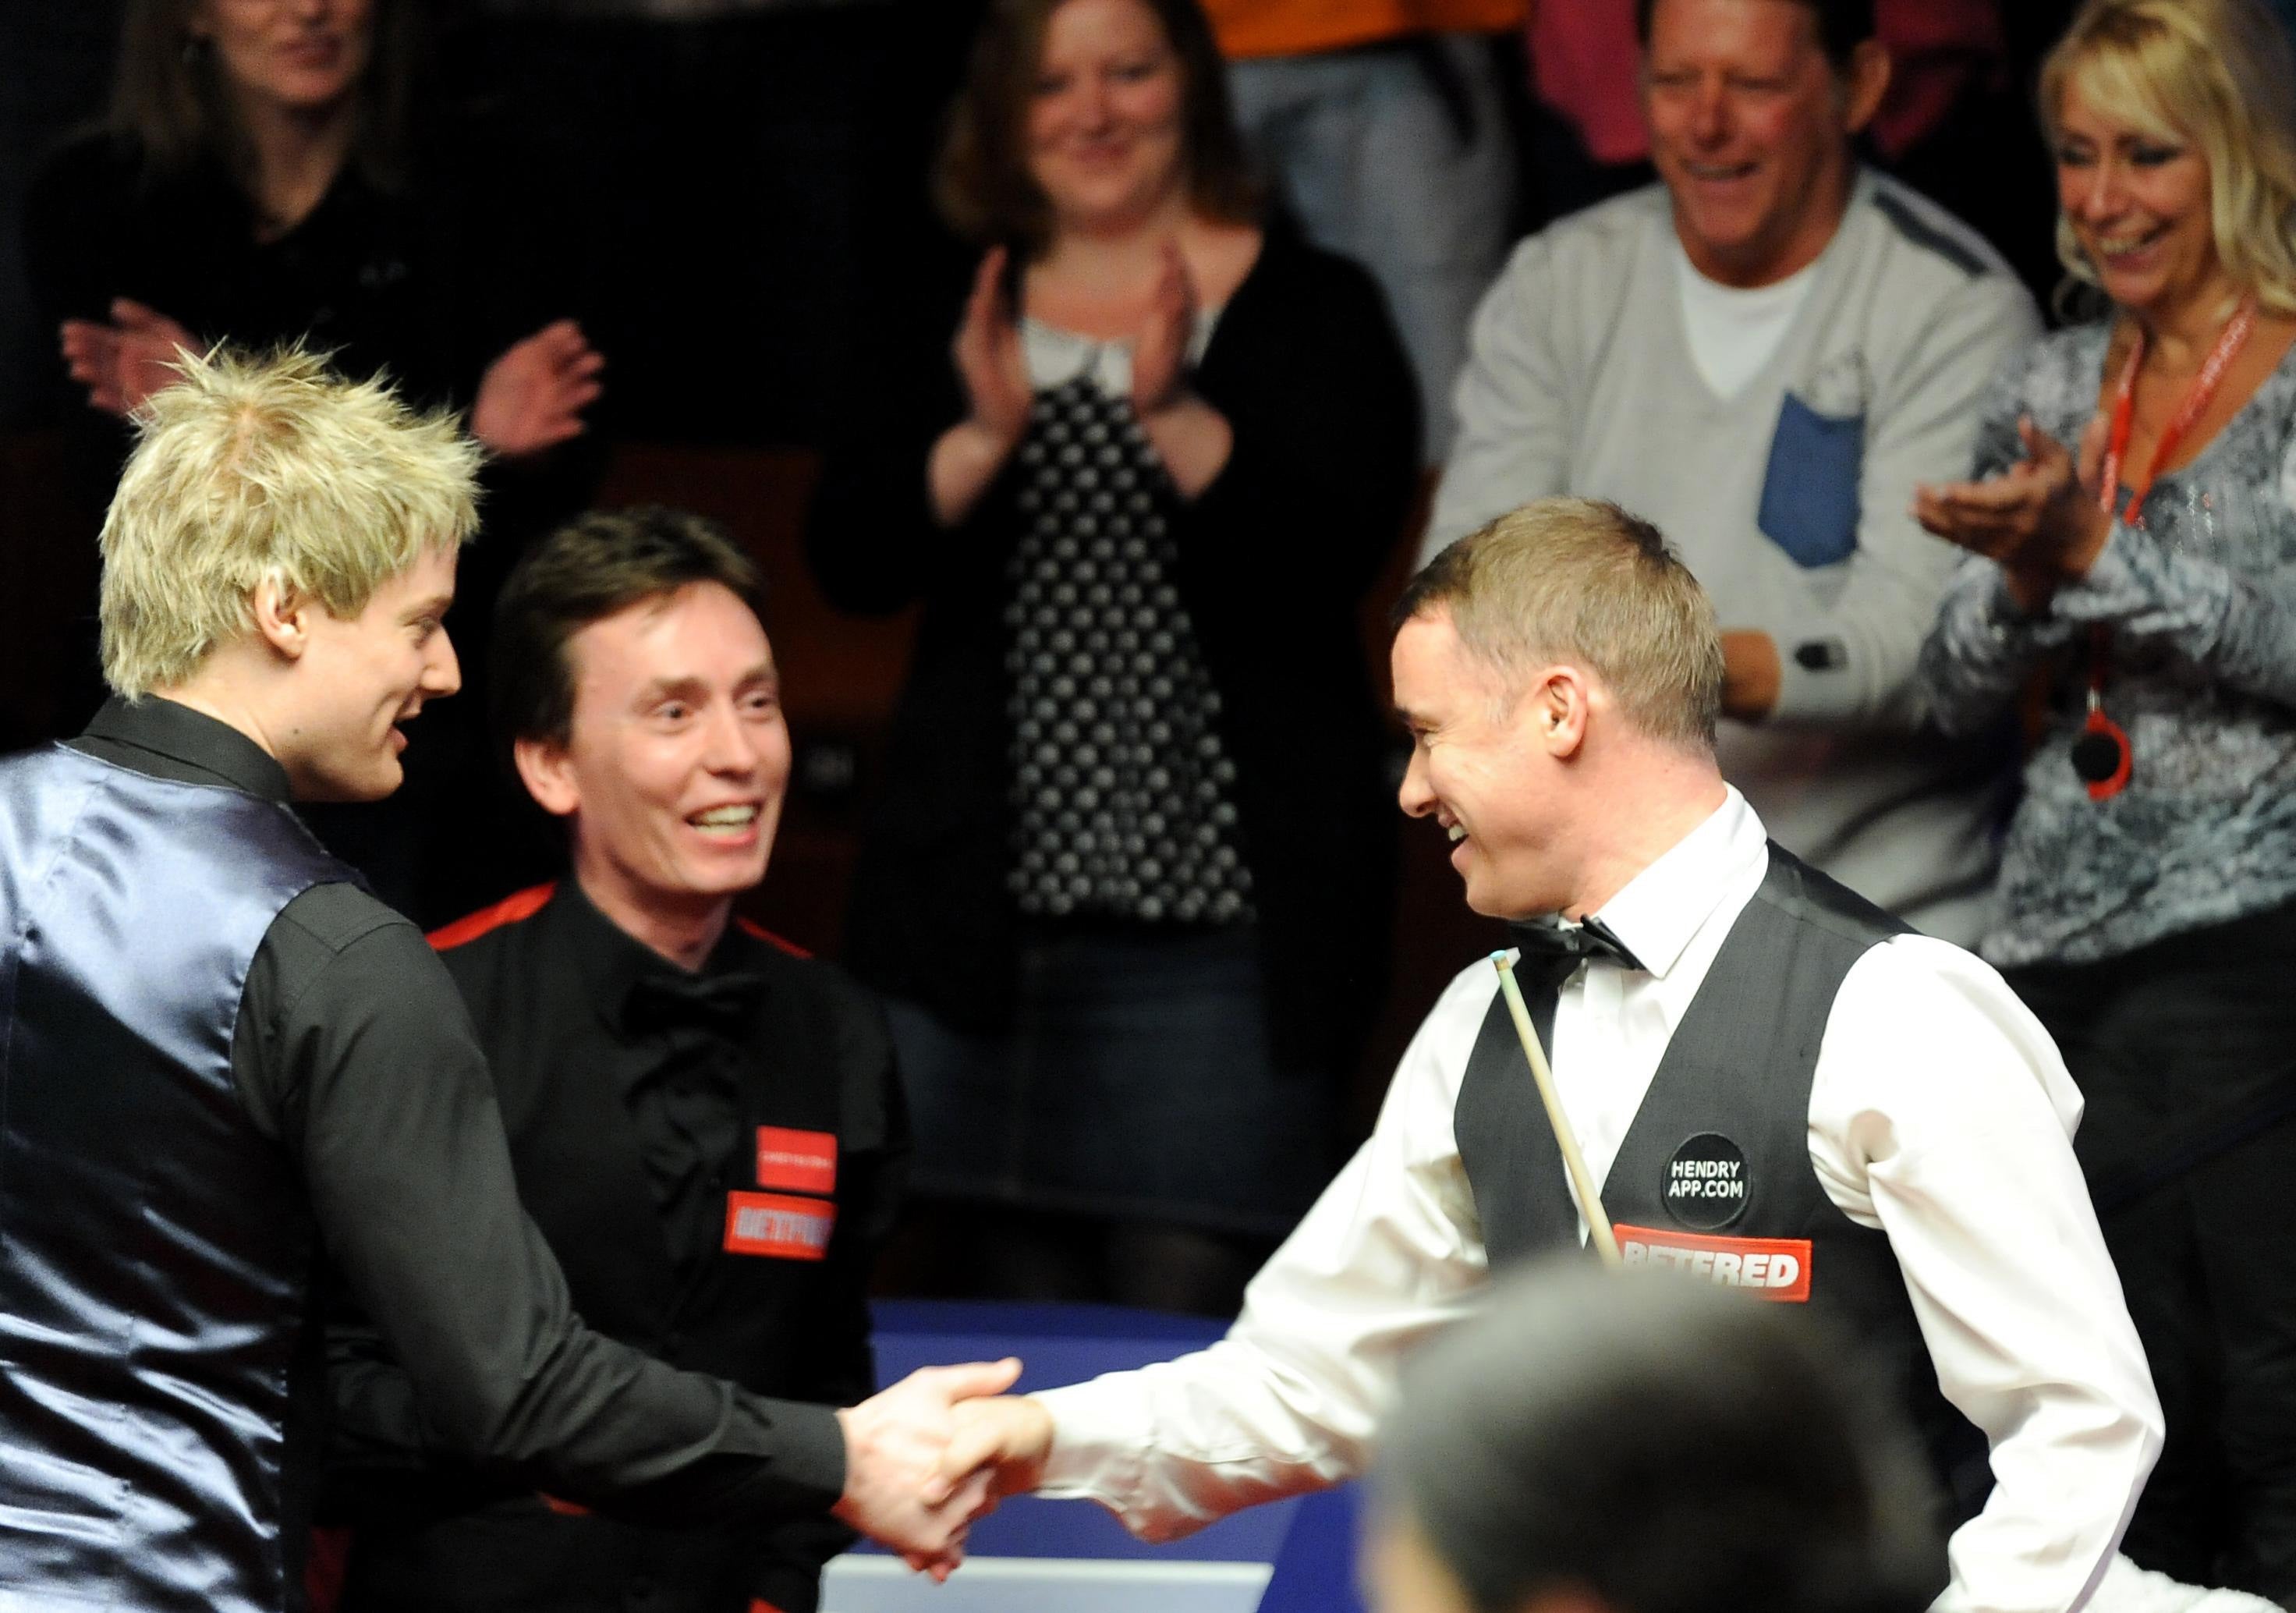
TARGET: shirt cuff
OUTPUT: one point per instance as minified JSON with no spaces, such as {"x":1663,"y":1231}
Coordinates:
{"x":803,"y":1448}
{"x":1100,"y":1432}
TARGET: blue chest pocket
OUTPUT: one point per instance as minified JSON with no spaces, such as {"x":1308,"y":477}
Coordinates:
{"x":1810,"y":490}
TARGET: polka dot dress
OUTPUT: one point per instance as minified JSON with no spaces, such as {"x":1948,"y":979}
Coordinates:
{"x":1123,"y":792}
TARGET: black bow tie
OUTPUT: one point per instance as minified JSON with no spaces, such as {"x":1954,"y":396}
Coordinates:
{"x":1556,"y":949}
{"x":723,"y":1002}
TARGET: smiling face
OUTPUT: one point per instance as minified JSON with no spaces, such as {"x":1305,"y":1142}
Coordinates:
{"x":359,"y":679}
{"x":2139,"y":206}
{"x":1750,"y":128}
{"x":678,"y":755}
{"x":1478,"y":769}
{"x":1104,"y":124}
{"x":299,"y":55}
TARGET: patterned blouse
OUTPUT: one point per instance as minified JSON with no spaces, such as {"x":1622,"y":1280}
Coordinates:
{"x":2200,"y":601}
{"x":1122,"y":787}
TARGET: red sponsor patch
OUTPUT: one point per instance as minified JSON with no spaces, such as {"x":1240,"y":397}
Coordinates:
{"x":1767,"y":1268}
{"x":803,"y":1162}
{"x":786,"y":1229}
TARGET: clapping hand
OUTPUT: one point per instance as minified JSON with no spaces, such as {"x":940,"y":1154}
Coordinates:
{"x":1160,"y":357}
{"x":2043,"y":519}
{"x":895,"y":1443}
{"x":124,"y":361}
{"x":988,"y":357}
{"x":532,"y":397}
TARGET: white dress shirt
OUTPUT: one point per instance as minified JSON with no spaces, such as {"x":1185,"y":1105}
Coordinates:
{"x":1940,"y":1112}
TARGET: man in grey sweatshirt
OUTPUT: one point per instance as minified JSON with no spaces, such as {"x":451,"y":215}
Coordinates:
{"x":1763,"y":353}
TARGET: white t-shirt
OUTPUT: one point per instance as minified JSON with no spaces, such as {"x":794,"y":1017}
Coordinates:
{"x":1734,"y":331}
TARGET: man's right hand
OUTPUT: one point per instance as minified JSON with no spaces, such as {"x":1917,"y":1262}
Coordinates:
{"x":894,"y":1443}
{"x":1006,"y":1439}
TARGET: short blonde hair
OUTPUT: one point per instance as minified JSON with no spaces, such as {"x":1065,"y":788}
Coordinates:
{"x":1576,"y":579}
{"x":2218,"y":73}
{"x":253,"y":467}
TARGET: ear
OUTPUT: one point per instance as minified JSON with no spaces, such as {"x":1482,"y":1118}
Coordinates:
{"x":1866,"y":83}
{"x":547,"y":772}
{"x":283,"y":617}
{"x":1557,"y":708}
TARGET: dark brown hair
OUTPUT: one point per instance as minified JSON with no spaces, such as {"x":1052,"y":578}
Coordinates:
{"x":1842,"y":26}
{"x":597,"y":565}
{"x":983,"y":182}
{"x":168,"y":95}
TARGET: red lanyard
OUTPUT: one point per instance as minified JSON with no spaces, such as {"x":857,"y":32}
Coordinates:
{"x":2102,"y":755}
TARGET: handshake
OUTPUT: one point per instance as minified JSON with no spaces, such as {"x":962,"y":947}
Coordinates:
{"x":940,"y":1449}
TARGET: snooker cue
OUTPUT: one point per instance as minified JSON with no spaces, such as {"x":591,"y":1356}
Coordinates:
{"x":1582,"y":1180}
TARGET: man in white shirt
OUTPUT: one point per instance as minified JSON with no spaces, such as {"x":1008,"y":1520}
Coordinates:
{"x":1763,"y":353}
{"x":1777,"y":1087}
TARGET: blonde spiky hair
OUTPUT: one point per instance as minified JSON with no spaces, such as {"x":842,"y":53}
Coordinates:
{"x":274,"y":466}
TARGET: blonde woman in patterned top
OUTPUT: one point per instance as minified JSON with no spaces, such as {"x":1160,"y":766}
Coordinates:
{"x":2136,"y":554}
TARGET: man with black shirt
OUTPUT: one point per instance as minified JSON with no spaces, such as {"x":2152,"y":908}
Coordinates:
{"x":705,"y":1125}
{"x":222,"y":1057}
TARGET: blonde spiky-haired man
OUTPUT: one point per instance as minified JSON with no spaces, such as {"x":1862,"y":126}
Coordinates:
{"x":220,"y":1057}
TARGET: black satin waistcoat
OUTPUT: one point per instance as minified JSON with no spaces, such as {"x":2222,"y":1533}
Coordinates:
{"x":155,"y":1250}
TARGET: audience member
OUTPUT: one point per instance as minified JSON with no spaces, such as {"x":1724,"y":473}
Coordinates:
{"x":1128,"y":880}
{"x":1589,"y":1445}
{"x":264,"y":177}
{"x":705,"y":1125}
{"x":2134,"y":551}
{"x":275,"y":173}
{"x":1954,"y":123}
{"x":1776,"y":1086}
{"x":1765,"y":353}
{"x":1381,"y":127}
{"x":228,"y":1062}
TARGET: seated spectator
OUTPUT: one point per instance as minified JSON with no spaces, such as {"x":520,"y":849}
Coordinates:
{"x":1381,"y":127}
{"x":281,"y":174}
{"x":1764,"y":354}
{"x":1587,"y":1445}
{"x":705,"y":1125}
{"x":1128,"y":880}
{"x":2135,"y":553}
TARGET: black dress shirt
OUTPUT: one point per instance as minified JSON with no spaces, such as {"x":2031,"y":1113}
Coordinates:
{"x":352,"y":1051}
{"x":648,"y":1107}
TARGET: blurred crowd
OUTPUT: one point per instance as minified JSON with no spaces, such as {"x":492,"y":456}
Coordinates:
{"x":1141,"y":340}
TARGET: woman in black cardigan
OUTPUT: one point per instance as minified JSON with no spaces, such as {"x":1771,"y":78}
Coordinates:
{"x":1128,"y":880}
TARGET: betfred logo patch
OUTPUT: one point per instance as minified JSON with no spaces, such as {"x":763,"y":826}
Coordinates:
{"x":779,"y":1228}
{"x":1767,"y":1268}
{"x":802,"y":1162}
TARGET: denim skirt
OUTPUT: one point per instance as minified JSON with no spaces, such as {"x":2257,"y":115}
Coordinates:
{"x":1134,"y":1081}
